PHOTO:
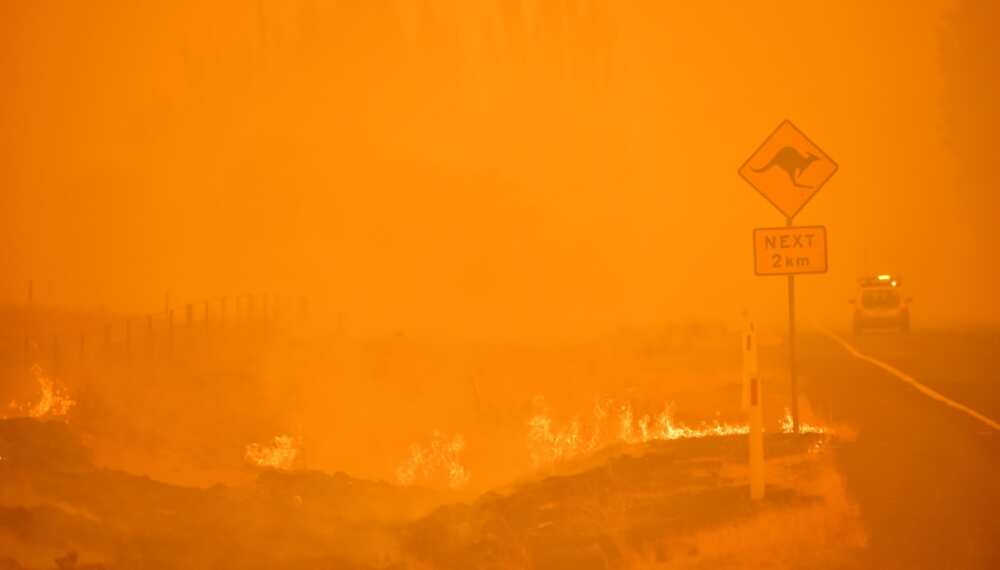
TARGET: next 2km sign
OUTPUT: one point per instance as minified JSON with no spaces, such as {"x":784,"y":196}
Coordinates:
{"x":789,"y":250}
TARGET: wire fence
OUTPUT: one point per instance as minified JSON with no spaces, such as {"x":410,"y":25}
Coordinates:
{"x":60,"y":339}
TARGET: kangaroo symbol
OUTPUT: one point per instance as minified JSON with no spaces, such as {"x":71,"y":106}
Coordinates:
{"x":793,"y":163}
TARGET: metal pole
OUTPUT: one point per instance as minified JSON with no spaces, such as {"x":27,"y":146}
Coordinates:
{"x":757,"y":485}
{"x":791,"y":348}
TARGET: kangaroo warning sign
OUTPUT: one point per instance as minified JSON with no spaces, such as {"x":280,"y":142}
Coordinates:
{"x":789,"y":250}
{"x":788,"y":169}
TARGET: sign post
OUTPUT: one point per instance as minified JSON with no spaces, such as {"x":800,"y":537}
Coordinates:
{"x":788,"y":169}
{"x":756,"y":441}
{"x":792,"y":376}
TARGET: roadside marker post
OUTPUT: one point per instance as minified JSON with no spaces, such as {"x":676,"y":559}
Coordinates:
{"x":752,"y":403}
{"x":750,"y":365}
{"x":788,"y":169}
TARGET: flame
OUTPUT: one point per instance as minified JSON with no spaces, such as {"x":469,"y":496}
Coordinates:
{"x":788,"y":425}
{"x":54,"y":400}
{"x":280,"y":454}
{"x":548,"y":445}
{"x":662,"y":427}
{"x":439,"y":457}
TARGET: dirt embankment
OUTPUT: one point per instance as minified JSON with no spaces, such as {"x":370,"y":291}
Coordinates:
{"x":682,"y":503}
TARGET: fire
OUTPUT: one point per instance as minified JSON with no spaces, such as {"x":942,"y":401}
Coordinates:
{"x":788,"y":425}
{"x":54,"y":400}
{"x":440,"y":458}
{"x":663,"y":427}
{"x":280,"y":454}
{"x":548,"y":445}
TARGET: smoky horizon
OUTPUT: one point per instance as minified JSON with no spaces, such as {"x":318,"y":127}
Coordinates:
{"x":487,"y":169}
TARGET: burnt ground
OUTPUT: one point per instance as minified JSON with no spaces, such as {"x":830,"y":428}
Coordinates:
{"x":637,"y":505}
{"x":619,"y":508}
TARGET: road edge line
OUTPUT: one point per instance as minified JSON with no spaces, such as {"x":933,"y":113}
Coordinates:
{"x":911,"y":381}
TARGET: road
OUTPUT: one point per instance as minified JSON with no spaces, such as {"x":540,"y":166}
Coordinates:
{"x":926,"y":477}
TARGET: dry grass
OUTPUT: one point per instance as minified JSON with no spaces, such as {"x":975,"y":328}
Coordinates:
{"x":823,"y":534}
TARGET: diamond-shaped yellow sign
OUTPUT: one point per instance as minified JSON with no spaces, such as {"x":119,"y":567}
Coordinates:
{"x":788,"y":169}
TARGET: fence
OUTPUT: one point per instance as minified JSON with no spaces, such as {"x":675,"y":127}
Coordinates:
{"x":60,"y":339}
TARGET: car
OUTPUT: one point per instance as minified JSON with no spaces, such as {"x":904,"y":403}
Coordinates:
{"x":880,"y":304}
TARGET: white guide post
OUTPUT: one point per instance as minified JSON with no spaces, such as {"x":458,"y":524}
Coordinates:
{"x":752,"y":402}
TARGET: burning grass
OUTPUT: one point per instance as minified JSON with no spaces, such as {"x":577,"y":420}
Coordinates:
{"x":282,"y":453}
{"x":611,"y":422}
{"x":788,"y":425}
{"x":438,"y":460}
{"x":53,"y":401}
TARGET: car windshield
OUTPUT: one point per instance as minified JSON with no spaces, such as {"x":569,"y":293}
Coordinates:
{"x":880,"y":299}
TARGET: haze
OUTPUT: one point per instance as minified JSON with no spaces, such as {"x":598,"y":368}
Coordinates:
{"x":458,"y":168}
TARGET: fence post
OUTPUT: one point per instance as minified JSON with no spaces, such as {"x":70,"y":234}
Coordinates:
{"x":55,"y":354}
{"x":208,"y":325}
{"x":107,"y":340}
{"x":128,"y":339}
{"x":170,"y":333}
{"x":303,"y":308}
{"x":149,"y":335}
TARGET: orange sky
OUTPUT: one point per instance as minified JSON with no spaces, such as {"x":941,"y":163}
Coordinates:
{"x":478,"y":168}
